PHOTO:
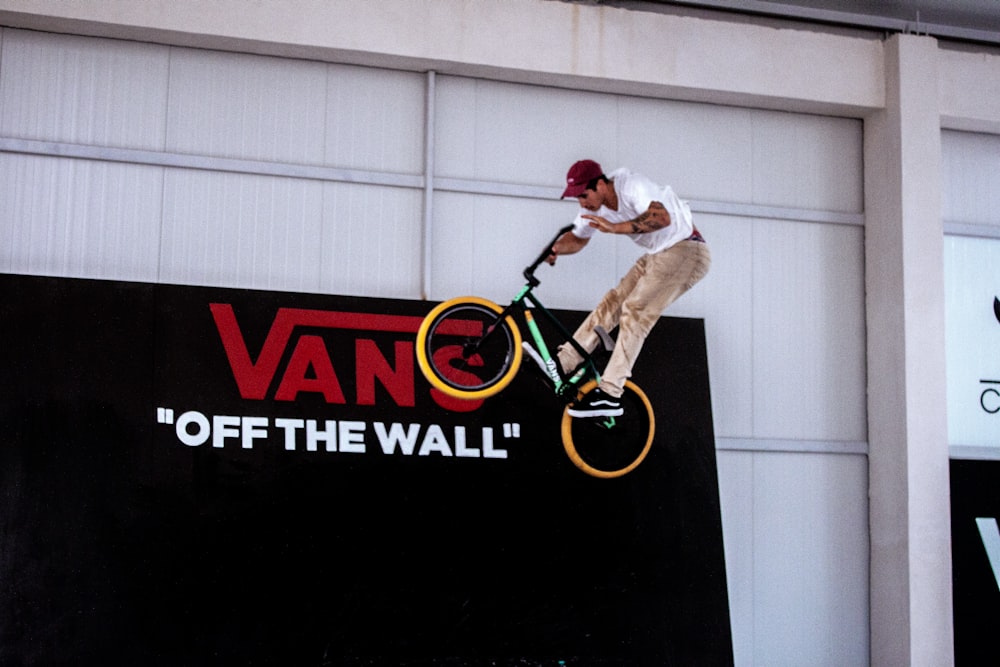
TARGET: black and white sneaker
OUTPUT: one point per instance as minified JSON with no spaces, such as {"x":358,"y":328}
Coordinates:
{"x":597,"y":404}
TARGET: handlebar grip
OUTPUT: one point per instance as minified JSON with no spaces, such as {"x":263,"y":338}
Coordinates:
{"x":552,"y":243}
{"x":529,"y":272}
{"x":562,"y":231}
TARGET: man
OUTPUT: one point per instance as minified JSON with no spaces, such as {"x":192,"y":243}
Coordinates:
{"x":677,"y":257}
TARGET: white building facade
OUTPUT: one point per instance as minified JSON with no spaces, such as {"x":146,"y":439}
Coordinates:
{"x":846,"y":182}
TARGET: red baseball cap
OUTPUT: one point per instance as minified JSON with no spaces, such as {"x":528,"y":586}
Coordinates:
{"x":579,"y":175}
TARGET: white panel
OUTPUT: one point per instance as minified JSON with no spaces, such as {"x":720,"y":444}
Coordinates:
{"x":482,"y":244}
{"x":454,"y":269}
{"x":736,"y":497}
{"x":702,"y":151}
{"x":971,"y":188}
{"x":972,"y":283}
{"x":520,"y":134}
{"x":83,"y":90}
{"x":241,"y":231}
{"x":371,"y":240}
{"x":523,"y":134}
{"x":243,"y":106}
{"x":78,"y":218}
{"x":455,"y":127}
{"x":809,"y":332}
{"x":375,"y":119}
{"x":724,"y":298}
{"x":811,"y":162}
{"x":810,"y":517}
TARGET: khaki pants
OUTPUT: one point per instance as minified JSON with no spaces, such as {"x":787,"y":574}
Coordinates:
{"x":653,"y":283}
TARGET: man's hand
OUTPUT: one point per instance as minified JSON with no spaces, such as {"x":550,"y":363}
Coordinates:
{"x":606,"y":226}
{"x":567,"y":244}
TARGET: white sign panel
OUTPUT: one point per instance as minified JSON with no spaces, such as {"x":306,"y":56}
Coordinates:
{"x":972,"y":310}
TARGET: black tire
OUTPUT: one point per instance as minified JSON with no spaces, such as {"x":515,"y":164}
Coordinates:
{"x":447,"y":334}
{"x":604,"y":450}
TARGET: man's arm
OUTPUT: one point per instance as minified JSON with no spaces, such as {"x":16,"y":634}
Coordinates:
{"x":567,"y":244}
{"x":655,"y":217}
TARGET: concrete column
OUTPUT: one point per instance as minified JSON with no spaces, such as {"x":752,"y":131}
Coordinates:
{"x":911,"y":600}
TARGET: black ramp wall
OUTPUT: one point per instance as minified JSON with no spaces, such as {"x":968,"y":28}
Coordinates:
{"x":206,"y":476}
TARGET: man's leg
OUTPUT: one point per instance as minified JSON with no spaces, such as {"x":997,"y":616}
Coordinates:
{"x":667,"y":275}
{"x":605,"y":315}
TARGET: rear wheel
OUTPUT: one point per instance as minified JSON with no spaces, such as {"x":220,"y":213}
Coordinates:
{"x":610,"y":446}
{"x":466,"y":350}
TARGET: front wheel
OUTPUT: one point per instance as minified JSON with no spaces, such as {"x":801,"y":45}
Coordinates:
{"x":610,"y":446}
{"x":466,"y":350}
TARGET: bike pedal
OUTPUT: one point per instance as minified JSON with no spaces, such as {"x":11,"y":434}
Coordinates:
{"x":605,"y":423}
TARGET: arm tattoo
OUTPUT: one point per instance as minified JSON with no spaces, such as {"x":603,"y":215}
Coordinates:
{"x":655,"y":217}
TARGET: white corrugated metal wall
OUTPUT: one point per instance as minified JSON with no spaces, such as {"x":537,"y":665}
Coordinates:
{"x":143,"y":162}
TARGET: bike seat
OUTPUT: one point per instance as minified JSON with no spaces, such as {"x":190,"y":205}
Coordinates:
{"x":607,"y":342}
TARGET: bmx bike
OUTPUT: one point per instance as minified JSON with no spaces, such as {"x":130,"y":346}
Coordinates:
{"x":471,"y":348}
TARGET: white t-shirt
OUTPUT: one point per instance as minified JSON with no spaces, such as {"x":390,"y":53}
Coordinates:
{"x":635,"y":194}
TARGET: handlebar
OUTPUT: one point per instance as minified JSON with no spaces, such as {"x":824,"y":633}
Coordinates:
{"x":529,"y":272}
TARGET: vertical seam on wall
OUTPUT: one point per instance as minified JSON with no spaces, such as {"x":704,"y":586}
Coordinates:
{"x":426,"y":255}
{"x":324,"y":184}
{"x":3,"y":33}
{"x":753,"y":286}
{"x":163,"y":169}
{"x":753,"y":557}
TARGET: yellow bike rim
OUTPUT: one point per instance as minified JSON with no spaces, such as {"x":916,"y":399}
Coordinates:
{"x":427,"y":367}
{"x":574,"y":455}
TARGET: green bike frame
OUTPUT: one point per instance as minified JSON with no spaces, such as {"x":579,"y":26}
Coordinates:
{"x":564,"y":384}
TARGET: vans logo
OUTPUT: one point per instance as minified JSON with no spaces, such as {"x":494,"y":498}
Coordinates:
{"x":311,"y":368}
